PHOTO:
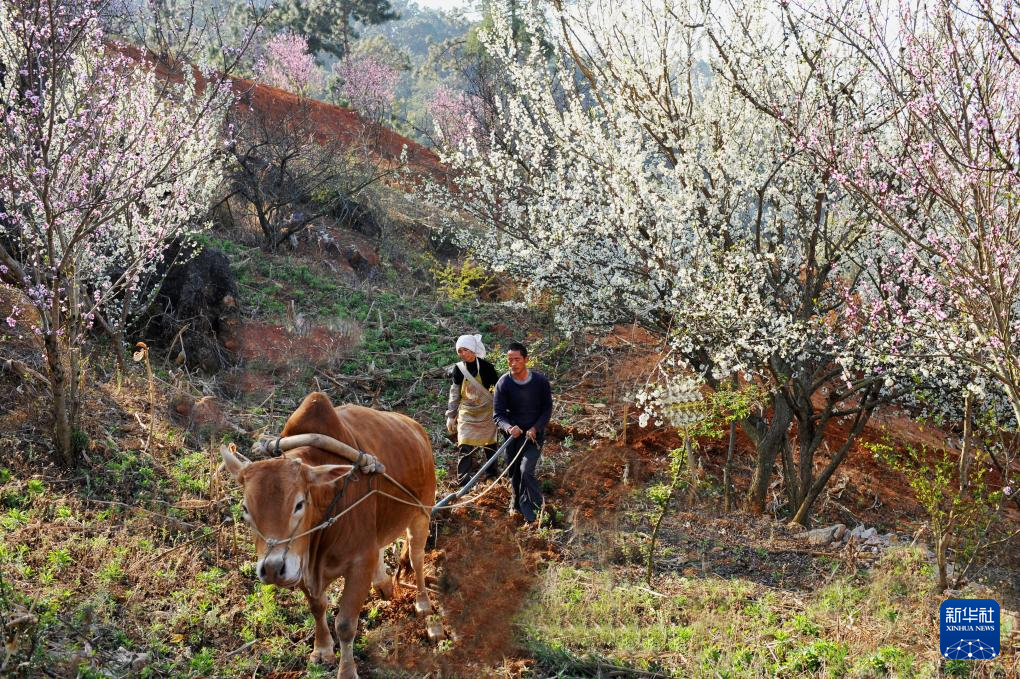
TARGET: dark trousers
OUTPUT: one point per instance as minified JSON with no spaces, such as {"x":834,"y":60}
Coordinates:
{"x":467,"y":465}
{"x":527,"y":492}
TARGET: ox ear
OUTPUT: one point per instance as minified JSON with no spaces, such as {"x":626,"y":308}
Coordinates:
{"x":327,"y":473}
{"x":234,"y":461}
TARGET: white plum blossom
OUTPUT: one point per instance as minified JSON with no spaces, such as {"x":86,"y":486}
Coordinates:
{"x":634,"y":179}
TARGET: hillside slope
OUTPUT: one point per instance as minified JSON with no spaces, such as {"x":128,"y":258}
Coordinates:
{"x":136,"y":563}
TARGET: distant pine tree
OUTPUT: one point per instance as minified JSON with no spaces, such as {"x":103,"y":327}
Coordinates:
{"x":329,"y":25}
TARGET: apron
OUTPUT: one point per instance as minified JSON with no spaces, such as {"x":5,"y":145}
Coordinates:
{"x":475,"y":426}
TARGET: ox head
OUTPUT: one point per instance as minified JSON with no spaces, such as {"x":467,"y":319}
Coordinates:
{"x":280,"y":503}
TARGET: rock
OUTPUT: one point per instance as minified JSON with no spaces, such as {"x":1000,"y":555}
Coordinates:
{"x":869,"y":540}
{"x":130,"y":659}
{"x":977,"y":590}
{"x":862,"y":534}
{"x":435,"y":631}
{"x":822,"y":536}
{"x":196,"y":299}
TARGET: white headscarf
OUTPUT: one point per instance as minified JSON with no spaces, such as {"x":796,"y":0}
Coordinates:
{"x":472,"y":342}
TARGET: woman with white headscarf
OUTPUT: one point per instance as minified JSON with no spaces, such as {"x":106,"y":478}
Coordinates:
{"x":469,"y":410}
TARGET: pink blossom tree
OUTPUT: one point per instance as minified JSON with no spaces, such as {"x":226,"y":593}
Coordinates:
{"x":367,"y":84}
{"x":944,"y":178}
{"x":287,"y":64}
{"x":103,"y":163}
{"x":930,"y":148}
{"x":921,"y":130}
{"x":455,"y":116}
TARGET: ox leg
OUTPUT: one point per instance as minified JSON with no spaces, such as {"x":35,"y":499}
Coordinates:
{"x":357,"y":584}
{"x":382,"y":582}
{"x":418,"y":534}
{"x":323,"y":649}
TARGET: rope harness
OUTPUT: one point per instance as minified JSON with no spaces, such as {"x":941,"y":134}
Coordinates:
{"x":352,"y":475}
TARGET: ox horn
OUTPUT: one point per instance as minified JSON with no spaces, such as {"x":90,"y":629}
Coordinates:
{"x":234,"y":461}
{"x":366,"y":462}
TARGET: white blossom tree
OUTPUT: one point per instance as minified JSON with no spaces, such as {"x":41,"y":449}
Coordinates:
{"x":929,"y":147}
{"x":634,"y":180}
{"x":103,"y":163}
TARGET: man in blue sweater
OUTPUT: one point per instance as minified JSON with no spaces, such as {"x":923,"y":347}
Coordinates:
{"x":522,"y":405}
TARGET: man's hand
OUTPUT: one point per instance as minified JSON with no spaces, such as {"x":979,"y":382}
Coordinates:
{"x":451,"y":425}
{"x":533,"y":434}
{"x":515,"y":431}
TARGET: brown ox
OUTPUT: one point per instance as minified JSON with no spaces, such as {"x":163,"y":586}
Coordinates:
{"x":287,"y":496}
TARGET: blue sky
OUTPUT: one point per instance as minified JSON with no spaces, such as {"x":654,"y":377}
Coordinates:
{"x":444,"y":4}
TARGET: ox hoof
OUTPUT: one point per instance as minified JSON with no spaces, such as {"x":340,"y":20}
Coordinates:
{"x":385,"y":589}
{"x":435,"y":631}
{"x":422,"y":605}
{"x":322,"y":657}
{"x":347,"y":672}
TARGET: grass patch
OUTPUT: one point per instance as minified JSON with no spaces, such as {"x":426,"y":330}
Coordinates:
{"x":869,"y":624}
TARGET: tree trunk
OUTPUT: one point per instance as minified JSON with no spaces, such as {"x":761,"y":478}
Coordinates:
{"x":673,"y":486}
{"x":118,"y":351}
{"x":266,"y":224}
{"x":966,"y":454}
{"x":650,"y":564}
{"x":811,"y":493}
{"x":768,"y":448}
{"x":728,"y":469}
{"x":794,"y":488}
{"x":76,"y":385}
{"x":62,"y":423}
{"x":346,"y":35}
{"x":941,"y":545}
{"x":694,"y":466}
{"x":809,"y":442}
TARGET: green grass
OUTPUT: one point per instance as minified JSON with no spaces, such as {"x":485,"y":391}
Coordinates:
{"x":406,"y":339}
{"x":119,"y":561}
{"x":872,"y":624}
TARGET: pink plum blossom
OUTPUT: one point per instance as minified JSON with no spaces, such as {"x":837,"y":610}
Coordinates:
{"x":287,"y":64}
{"x":454,"y":114}
{"x":367,"y":84}
{"x":131,"y":166}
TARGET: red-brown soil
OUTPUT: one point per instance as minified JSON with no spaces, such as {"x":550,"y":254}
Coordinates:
{"x":862,"y":490}
{"x":485,"y":563}
{"x":331,"y":122}
{"x":480,"y":573}
{"x":339,"y":123}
